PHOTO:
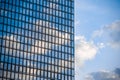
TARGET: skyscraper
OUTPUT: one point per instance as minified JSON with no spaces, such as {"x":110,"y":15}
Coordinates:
{"x":36,"y":39}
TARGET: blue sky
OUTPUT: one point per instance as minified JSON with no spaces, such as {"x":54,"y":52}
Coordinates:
{"x":97,"y":30}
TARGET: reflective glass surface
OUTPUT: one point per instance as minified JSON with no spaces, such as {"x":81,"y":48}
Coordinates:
{"x":36,"y":39}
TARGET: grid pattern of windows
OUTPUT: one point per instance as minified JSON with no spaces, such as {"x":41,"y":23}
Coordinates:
{"x":36,"y":39}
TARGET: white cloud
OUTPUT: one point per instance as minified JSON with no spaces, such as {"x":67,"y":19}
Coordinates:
{"x":40,"y":46}
{"x":13,"y":41}
{"x":109,"y":34}
{"x":54,"y":32}
{"x":84,"y":50}
{"x":42,"y":23}
{"x":10,"y":42}
{"x":51,"y":7}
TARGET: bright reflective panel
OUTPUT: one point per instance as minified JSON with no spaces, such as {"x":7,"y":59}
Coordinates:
{"x":37,"y":39}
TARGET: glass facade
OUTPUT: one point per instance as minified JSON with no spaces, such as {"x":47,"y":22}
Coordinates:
{"x":36,"y":39}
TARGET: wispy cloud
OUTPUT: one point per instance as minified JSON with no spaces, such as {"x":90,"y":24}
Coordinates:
{"x":109,"y":34}
{"x":104,"y":75}
{"x":77,"y":23}
{"x":85,"y":50}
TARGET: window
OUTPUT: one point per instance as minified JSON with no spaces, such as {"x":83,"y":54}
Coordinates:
{"x":37,"y":39}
